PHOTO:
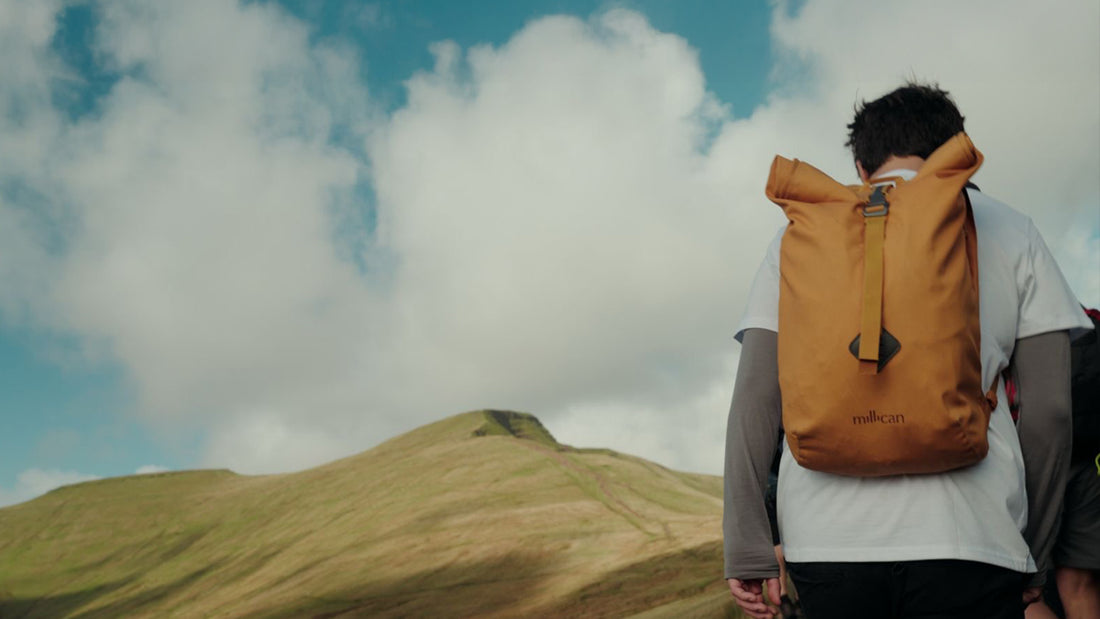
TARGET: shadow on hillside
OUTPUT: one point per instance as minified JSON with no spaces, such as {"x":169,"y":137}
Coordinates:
{"x":652,"y":583}
{"x":55,"y":605}
{"x":68,"y":604}
{"x":498,"y":587}
{"x":457,"y":590}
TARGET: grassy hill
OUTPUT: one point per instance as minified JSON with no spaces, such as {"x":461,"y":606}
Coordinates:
{"x":482,"y":514}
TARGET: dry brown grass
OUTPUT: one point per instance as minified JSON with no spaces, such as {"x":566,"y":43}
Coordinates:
{"x":461,"y":518}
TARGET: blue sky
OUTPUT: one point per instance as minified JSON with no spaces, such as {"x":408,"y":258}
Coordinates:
{"x":265,"y":235}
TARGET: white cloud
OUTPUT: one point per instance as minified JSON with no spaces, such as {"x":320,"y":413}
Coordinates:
{"x":271,"y":442}
{"x":556,"y":230}
{"x":690,"y":433}
{"x":36,"y":482}
{"x":562,"y":238}
{"x":151,"y":469}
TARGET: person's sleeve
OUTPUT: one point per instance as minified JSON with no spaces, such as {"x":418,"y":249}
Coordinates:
{"x":751,"y":433}
{"x":1042,"y":367}
{"x":1046,"y":301}
{"x":762,"y":307}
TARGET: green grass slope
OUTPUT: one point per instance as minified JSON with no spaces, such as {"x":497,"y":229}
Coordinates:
{"x":482,"y":514}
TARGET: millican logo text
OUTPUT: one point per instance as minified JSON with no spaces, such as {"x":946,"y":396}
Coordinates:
{"x":874,"y":417}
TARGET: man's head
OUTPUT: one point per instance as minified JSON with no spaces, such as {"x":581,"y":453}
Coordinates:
{"x":914,"y":120}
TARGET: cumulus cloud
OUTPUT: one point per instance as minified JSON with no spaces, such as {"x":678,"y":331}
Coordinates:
{"x":562,"y":237}
{"x":565,"y":224}
{"x":195,"y":213}
{"x":205,"y":257}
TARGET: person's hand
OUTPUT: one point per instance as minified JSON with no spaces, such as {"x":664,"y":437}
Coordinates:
{"x":1032,"y":595}
{"x":749,"y":595}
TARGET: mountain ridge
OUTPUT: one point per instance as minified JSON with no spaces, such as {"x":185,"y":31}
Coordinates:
{"x":456,"y":515}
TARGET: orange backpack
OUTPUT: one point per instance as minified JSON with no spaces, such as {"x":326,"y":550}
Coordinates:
{"x":879,"y":335}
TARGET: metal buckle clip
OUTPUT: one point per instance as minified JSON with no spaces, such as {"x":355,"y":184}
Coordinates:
{"x":877,"y":206}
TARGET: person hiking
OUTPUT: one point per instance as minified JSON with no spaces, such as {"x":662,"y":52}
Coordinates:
{"x":972,"y":541}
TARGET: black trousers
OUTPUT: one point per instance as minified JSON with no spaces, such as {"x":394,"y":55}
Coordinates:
{"x":941,"y":589}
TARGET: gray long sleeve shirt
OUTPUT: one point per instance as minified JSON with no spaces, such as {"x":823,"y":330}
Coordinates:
{"x":1042,"y":372}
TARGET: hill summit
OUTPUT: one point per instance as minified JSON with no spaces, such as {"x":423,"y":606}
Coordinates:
{"x":519,"y":425}
{"x":481,"y":514}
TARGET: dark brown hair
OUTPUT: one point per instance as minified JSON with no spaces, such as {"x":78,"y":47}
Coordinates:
{"x":912,"y":120}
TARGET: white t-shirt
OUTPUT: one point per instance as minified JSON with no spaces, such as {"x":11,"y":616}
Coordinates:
{"x":975,"y":513}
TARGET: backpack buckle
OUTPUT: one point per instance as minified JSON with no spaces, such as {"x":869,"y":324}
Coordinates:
{"x":877,"y":206}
